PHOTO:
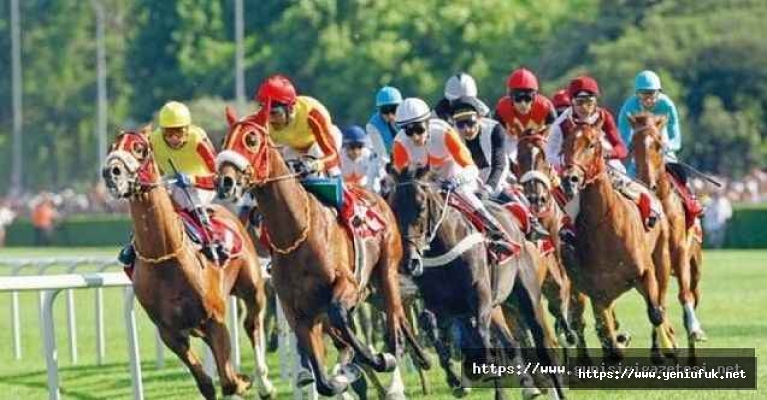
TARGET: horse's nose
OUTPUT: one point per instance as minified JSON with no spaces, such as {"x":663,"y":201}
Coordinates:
{"x":225,"y":187}
{"x":573,"y":179}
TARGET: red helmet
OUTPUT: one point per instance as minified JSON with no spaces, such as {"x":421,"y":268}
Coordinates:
{"x":522,"y":79}
{"x":561,"y":99}
{"x":583,"y":84}
{"x":278,"y":89}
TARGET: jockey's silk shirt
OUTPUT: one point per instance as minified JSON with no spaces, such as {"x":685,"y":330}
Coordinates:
{"x":365,"y":171}
{"x":671,"y":133}
{"x":541,"y":113}
{"x":612,"y":145}
{"x":310,"y":125}
{"x":195,"y":158}
{"x":444,"y":152}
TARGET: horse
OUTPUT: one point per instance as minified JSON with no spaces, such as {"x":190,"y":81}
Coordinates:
{"x":180,"y":289}
{"x":313,"y":267}
{"x":637,"y":257}
{"x":536,"y":176}
{"x":459,"y":285}
{"x":684,"y":244}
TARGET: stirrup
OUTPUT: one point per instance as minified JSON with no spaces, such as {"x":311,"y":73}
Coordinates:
{"x":127,"y":255}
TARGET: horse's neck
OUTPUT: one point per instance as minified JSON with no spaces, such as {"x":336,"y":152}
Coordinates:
{"x":284,"y":204}
{"x":664,"y":183}
{"x":453,"y":227}
{"x":156,"y":227}
{"x":598,"y":199}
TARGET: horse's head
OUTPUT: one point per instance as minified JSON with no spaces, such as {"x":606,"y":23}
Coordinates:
{"x":534,"y":170}
{"x":647,"y":147}
{"x":244,"y":158}
{"x":129,"y":168}
{"x":411,"y":204}
{"x":583,"y":162}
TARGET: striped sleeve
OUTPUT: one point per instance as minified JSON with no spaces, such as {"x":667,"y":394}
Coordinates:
{"x":208,"y":156}
{"x":319,"y":123}
{"x":400,"y":157}
{"x":457,"y":149}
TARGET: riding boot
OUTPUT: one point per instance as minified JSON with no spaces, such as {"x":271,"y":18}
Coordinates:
{"x":127,"y":257}
{"x":501,"y":245}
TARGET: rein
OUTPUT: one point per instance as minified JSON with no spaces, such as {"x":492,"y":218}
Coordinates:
{"x":443,"y":213}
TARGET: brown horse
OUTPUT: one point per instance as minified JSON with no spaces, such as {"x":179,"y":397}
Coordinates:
{"x":313,"y":268}
{"x":615,"y":253}
{"x":536,"y":176}
{"x":684,"y":244}
{"x":181,"y":290}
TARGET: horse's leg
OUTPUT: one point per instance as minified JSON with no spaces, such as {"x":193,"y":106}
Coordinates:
{"x":503,"y":333}
{"x":343,"y":300}
{"x":648,"y":287}
{"x":605,"y":327}
{"x":683,"y":261}
{"x":577,"y":310}
{"x":217,"y":338}
{"x":428,"y":323}
{"x":661,"y":261}
{"x":529,"y":300}
{"x":309,"y":338}
{"x":179,"y":344}
{"x":252,"y":291}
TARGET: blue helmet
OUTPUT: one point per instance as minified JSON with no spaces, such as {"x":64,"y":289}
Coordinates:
{"x":388,"y":95}
{"x":355,"y":134}
{"x":647,"y":80}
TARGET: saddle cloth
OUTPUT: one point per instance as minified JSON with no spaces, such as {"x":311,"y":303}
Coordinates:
{"x":464,"y":208}
{"x":692,"y":208}
{"x":224,"y":232}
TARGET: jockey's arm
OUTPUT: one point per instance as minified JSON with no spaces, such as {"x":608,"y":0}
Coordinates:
{"x":400,"y":157}
{"x":498,"y":160}
{"x":462,"y":156}
{"x":207,"y":155}
{"x":320,"y":127}
{"x":619,"y":150}
{"x":672,"y":128}
{"x":377,"y":142}
{"x":554,"y":146}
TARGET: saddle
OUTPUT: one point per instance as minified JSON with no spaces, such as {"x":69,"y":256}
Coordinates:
{"x":692,"y":207}
{"x":223,"y":232}
{"x":464,"y":208}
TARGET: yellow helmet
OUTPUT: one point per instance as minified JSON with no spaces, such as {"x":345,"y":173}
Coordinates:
{"x":174,"y":115}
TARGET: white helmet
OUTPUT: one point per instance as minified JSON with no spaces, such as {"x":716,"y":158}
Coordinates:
{"x":460,"y":85}
{"x":412,"y":110}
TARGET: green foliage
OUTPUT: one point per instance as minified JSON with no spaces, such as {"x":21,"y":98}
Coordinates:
{"x":341,"y":51}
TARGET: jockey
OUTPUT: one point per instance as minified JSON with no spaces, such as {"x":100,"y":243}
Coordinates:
{"x":359,"y":165}
{"x":303,"y":126}
{"x":649,"y":97}
{"x":422,"y":141}
{"x":561,"y":101}
{"x":523,"y":105}
{"x":486,"y":140}
{"x":457,"y":86}
{"x":584,"y":92}
{"x":381,"y":127}
{"x":190,"y":150}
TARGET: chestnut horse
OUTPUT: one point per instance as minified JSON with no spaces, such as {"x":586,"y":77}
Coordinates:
{"x":685,"y":247}
{"x":181,"y":290}
{"x":615,"y":252}
{"x":536,"y":176}
{"x":313,"y":270}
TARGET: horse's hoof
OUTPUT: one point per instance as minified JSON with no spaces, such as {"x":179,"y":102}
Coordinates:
{"x":460,"y":392}
{"x":623,"y":339}
{"x":348,"y":374}
{"x":304,"y":378}
{"x":267,"y":391}
{"x":531,"y":393}
{"x":698,"y":336}
{"x":398,"y":395}
{"x":389,"y":362}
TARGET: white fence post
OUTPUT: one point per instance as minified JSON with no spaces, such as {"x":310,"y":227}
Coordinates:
{"x":133,"y":350}
{"x":234,"y":332}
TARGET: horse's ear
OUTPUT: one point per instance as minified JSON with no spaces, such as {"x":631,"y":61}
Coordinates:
{"x":543,"y":131}
{"x":231,"y":117}
{"x":632,"y":119}
{"x":422,"y":171}
{"x":660,"y":122}
{"x":146,"y":129}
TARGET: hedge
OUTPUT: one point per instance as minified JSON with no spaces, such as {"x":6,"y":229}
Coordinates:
{"x":76,"y":230}
{"x":747,"y":229}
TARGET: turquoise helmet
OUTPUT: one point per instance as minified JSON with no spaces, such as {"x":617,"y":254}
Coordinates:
{"x":647,"y":80}
{"x":388,"y":95}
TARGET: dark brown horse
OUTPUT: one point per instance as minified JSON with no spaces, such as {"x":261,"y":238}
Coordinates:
{"x":313,"y":267}
{"x":685,"y":245}
{"x":536,"y":176}
{"x":181,"y":290}
{"x":615,"y":253}
{"x":459,"y":286}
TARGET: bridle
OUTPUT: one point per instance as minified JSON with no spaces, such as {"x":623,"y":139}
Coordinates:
{"x":432,"y":227}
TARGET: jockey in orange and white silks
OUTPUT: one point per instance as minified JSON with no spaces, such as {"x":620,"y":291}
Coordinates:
{"x":426,"y":141}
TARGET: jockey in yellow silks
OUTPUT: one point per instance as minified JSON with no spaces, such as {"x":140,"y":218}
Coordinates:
{"x":192,"y":153}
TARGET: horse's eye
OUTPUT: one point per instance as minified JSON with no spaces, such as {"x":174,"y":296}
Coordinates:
{"x":139,"y":150}
{"x":251,"y":140}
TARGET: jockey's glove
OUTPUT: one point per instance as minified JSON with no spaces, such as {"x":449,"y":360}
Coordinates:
{"x":450,"y":184}
{"x":183,"y":180}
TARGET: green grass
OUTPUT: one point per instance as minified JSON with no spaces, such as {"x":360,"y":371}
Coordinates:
{"x":732,"y":312}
